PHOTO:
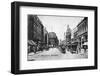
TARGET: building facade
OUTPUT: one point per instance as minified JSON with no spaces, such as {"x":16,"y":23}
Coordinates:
{"x":74,"y":40}
{"x":35,"y":28}
{"x":82,"y":33}
{"x":52,"y":39}
{"x":68,"y":36}
{"x":35,"y":33}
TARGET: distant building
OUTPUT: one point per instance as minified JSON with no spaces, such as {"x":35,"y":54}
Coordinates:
{"x":45,"y":40}
{"x":68,"y":35}
{"x":53,"y":40}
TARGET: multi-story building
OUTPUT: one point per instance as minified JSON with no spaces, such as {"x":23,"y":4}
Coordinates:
{"x":68,"y":35}
{"x":74,"y":40}
{"x":74,"y":35}
{"x":35,"y":33}
{"x":35,"y":28}
{"x":82,"y":33}
{"x":53,"y":40}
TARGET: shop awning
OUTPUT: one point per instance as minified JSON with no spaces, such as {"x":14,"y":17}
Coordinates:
{"x":31,"y":42}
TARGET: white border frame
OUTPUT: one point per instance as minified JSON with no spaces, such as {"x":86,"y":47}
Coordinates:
{"x":24,"y":64}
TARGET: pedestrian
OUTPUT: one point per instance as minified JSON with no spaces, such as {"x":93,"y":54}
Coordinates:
{"x":78,"y":48}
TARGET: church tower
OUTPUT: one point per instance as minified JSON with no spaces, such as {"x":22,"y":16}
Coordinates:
{"x":68,"y":34}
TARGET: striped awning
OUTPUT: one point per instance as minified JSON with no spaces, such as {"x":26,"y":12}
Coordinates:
{"x":31,"y":42}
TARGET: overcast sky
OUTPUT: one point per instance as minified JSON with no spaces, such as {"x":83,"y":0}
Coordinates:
{"x":58,"y":24}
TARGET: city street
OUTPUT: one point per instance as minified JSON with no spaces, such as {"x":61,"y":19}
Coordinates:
{"x":54,"y":54}
{"x":57,"y":37}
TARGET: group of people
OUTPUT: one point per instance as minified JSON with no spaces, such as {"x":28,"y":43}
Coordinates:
{"x":73,"y":48}
{"x":33,"y":47}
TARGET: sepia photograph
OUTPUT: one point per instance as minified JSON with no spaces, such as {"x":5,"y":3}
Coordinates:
{"x":53,"y":37}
